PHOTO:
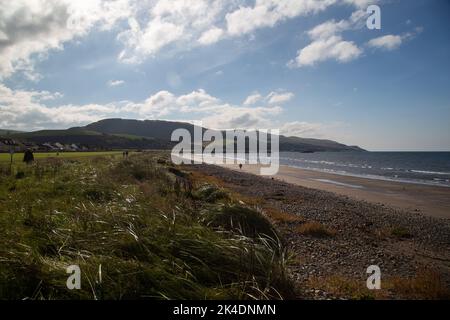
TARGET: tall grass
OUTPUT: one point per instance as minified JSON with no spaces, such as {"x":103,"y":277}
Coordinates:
{"x":136,"y":228}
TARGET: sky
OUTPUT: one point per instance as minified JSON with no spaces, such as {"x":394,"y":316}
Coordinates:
{"x":311,"y":68}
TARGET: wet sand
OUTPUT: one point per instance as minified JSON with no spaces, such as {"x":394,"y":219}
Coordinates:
{"x":429,"y":200}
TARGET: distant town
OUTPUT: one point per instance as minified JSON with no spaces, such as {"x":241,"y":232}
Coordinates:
{"x":7,"y":145}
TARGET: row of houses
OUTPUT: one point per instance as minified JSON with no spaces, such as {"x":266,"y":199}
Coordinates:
{"x":62,"y":147}
{"x":7,"y":144}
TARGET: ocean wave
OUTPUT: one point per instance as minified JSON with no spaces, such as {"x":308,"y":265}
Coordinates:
{"x":396,"y":178}
{"x":401,"y":167}
{"x":430,"y":172}
{"x":328,"y":163}
{"x":340,"y":183}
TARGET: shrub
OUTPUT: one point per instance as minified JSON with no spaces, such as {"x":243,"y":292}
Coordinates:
{"x":246,"y":221}
{"x":210,"y":193}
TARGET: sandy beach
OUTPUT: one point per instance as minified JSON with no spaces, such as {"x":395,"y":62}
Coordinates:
{"x":429,"y":200}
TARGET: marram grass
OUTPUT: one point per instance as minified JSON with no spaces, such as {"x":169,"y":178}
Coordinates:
{"x":136,"y":228}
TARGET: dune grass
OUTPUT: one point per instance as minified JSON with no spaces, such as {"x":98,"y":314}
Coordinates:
{"x":138,"y":230}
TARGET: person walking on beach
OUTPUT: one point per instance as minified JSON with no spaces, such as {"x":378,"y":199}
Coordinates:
{"x":240,"y":166}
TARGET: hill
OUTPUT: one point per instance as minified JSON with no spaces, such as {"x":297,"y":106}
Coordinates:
{"x":163,"y":129}
{"x":6,"y":132}
{"x":154,"y":134}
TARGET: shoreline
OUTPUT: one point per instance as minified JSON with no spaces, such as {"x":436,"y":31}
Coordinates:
{"x":334,"y":238}
{"x":430,"y":200}
{"x":374,"y":177}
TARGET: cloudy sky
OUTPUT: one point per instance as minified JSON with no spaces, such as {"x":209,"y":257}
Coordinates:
{"x":308,"y":67}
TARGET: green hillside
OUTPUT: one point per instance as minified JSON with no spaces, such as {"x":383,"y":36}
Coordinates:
{"x":93,"y":139}
{"x":153,"y":134}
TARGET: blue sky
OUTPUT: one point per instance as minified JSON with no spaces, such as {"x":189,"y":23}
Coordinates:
{"x":311,"y":70}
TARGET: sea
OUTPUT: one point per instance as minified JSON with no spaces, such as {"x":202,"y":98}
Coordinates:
{"x":430,"y":168}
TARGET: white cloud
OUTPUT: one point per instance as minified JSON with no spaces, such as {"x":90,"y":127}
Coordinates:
{"x":389,"y":42}
{"x":211,"y":36}
{"x":272,"y":98}
{"x":336,"y":131}
{"x":157,"y":105}
{"x":247,"y":19}
{"x":170,"y":22}
{"x":267,"y":13}
{"x":328,"y":29}
{"x":302,"y":129}
{"x":323,"y":49}
{"x":115,"y":83}
{"x":361,"y":3}
{"x":252,"y":99}
{"x":26,"y":110}
{"x":328,"y":42}
{"x":332,"y":27}
{"x":279,"y":97}
{"x":141,"y":43}
{"x":32,"y":28}
{"x":211,"y":110}
{"x":236,"y":117}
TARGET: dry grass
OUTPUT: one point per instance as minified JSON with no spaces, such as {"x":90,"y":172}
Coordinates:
{"x":426,"y":285}
{"x":315,"y":229}
{"x":278,"y":216}
{"x":201,"y":178}
{"x":339,"y":286}
{"x":398,"y":233}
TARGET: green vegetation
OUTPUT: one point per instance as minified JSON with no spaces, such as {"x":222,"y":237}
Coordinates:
{"x":18,"y":157}
{"x":401,"y":233}
{"x":138,"y":229}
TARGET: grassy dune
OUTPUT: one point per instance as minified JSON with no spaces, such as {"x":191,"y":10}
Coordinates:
{"x":138,"y":228}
